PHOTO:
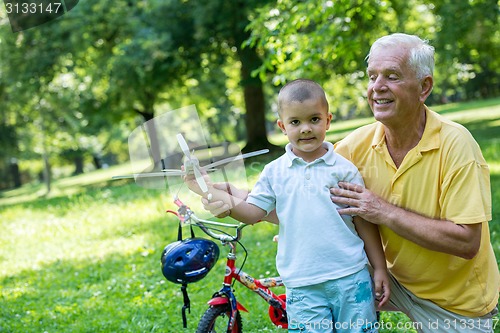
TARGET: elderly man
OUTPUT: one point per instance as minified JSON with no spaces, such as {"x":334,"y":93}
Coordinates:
{"x":428,"y":189}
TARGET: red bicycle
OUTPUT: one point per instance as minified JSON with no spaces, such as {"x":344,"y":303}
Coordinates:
{"x":223,"y":313}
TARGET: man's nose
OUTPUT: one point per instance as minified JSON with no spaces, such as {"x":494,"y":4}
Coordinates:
{"x":379,"y":84}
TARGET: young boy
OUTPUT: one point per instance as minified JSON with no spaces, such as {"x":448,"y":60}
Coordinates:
{"x":321,"y":254}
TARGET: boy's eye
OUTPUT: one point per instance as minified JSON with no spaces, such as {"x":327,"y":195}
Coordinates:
{"x":294,"y":122}
{"x":315,"y":119}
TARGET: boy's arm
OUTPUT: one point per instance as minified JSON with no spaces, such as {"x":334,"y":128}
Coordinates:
{"x":220,"y":209}
{"x":239,"y":208}
{"x":373,"y":247}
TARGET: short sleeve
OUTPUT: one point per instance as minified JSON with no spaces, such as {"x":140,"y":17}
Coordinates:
{"x":357,"y":178}
{"x":342,"y":149}
{"x":465,"y":196}
{"x":262,"y":194}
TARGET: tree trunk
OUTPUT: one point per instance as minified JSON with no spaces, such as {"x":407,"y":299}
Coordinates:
{"x":96,"y":158}
{"x":150,"y":130}
{"x":46,"y":171}
{"x":255,"y":104}
{"x":47,"y":177}
{"x":78,"y":164}
{"x":14,"y":171}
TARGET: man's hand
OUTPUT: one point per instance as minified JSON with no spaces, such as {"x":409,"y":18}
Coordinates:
{"x":361,"y":202}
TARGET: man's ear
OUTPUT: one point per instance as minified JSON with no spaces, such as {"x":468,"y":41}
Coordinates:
{"x":426,"y":86}
{"x":281,"y":126}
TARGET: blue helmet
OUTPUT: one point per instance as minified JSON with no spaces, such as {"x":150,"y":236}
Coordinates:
{"x":188,"y":260}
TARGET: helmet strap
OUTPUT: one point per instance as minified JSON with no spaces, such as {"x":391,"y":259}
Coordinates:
{"x":187,"y":304}
{"x":185,"y":296}
{"x":179,"y":232}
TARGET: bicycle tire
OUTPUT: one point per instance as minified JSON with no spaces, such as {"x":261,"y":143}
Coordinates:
{"x":216,"y":318}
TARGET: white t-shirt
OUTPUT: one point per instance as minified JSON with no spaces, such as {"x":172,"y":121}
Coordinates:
{"x":316,"y":244}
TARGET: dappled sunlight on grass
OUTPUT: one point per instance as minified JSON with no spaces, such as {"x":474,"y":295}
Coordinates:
{"x":66,"y":186}
{"x":82,"y":227}
{"x":460,"y":107}
{"x":494,"y":168}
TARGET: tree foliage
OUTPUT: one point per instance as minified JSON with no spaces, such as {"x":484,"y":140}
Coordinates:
{"x":75,"y":86}
{"x":468,"y":45}
{"x":334,"y":38}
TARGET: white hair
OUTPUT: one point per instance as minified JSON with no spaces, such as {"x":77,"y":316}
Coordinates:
{"x":421,"y":54}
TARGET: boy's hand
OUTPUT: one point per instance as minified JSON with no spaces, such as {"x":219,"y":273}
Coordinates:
{"x":219,"y":208}
{"x":382,"y":288}
{"x":193,"y":185}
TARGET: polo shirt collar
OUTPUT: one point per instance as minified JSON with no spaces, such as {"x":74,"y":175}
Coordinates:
{"x":329,"y":157}
{"x":430,"y":139}
{"x":379,"y":136}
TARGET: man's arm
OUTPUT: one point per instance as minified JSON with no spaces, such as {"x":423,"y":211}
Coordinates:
{"x":462,"y":240}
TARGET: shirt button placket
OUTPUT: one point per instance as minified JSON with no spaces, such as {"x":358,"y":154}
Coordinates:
{"x":307,"y":176}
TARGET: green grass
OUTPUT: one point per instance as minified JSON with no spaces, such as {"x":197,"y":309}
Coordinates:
{"x":85,"y":258}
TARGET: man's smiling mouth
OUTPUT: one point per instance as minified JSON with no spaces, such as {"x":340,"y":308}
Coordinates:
{"x":382,"y":101}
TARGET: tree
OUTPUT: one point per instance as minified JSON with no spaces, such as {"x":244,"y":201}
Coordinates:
{"x":27,"y":62}
{"x":328,"y":41}
{"x":100,"y":66}
{"x":320,"y":41}
{"x":469,"y":51}
{"x":40,"y":69}
{"x":226,"y":23}
{"x":157,"y":47}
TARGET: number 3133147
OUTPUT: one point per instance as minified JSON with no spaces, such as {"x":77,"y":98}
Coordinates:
{"x":33,"y":8}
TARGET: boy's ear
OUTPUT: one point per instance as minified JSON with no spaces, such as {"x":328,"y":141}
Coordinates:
{"x":329,"y":120}
{"x":281,"y":126}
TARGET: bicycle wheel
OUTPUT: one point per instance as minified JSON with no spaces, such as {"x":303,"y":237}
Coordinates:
{"x":216,"y":318}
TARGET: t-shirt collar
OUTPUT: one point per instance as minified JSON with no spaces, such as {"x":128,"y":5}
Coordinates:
{"x":329,"y":157}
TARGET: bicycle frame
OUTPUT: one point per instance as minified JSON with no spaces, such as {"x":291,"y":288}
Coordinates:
{"x":225,"y":296}
{"x":260,"y":286}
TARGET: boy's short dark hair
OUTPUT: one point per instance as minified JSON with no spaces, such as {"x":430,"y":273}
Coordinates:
{"x":301,"y":90}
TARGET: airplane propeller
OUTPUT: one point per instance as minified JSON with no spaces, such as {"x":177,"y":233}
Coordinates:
{"x":192,"y":163}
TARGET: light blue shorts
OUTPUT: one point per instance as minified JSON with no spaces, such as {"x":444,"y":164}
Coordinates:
{"x":345,"y":305}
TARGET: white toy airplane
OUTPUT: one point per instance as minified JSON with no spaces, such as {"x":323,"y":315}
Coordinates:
{"x":192,"y":165}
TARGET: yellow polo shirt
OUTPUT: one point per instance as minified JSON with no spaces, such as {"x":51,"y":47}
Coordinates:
{"x":444,"y":177}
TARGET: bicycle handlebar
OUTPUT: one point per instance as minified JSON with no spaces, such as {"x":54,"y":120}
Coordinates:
{"x":187,"y":216}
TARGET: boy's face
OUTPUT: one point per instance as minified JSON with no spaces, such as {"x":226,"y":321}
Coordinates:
{"x":305,"y":123}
